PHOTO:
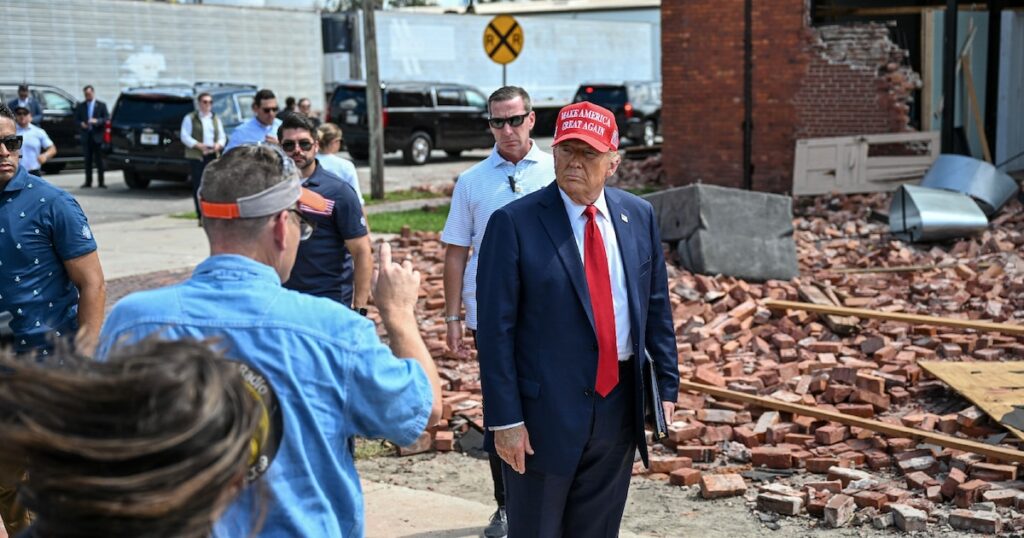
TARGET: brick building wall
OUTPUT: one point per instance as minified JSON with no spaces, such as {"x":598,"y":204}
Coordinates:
{"x":807,"y":82}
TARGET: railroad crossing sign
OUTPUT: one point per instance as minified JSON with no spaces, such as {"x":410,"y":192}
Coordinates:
{"x":503,"y":39}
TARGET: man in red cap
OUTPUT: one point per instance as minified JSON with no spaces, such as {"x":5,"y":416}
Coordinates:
{"x":572,"y":291}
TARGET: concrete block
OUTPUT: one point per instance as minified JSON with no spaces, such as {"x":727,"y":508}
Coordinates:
{"x":779,"y":504}
{"x":908,"y":519}
{"x":969,"y":520}
{"x":734,"y":232}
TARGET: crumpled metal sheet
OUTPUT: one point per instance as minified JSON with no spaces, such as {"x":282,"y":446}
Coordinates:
{"x":989,"y":187}
{"x":924,"y":214}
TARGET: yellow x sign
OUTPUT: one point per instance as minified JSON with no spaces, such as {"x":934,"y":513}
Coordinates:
{"x":503,"y":39}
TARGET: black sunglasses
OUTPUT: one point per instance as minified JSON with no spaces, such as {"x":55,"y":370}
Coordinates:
{"x":306,"y":226}
{"x":514,"y":121}
{"x":289,"y":145}
{"x":206,"y":101}
{"x":12,"y":143}
{"x":269,"y":109}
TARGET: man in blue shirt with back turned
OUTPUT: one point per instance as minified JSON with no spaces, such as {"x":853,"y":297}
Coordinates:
{"x":333,"y":377}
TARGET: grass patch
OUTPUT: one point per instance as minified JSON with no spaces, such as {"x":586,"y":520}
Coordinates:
{"x":424,"y":219}
{"x":188,"y":215}
{"x":401,"y":196}
{"x":372,"y":448}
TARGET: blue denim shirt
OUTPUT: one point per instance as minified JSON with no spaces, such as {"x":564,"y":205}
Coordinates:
{"x":41,"y":227}
{"x":333,"y":377}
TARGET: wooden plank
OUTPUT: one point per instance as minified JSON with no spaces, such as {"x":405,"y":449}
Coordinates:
{"x":979,"y":124}
{"x":916,"y":319}
{"x":839,"y":324}
{"x":992,"y":386}
{"x":948,"y":441}
{"x":903,"y":268}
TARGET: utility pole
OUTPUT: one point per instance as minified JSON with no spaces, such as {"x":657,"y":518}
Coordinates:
{"x":949,"y":56}
{"x":373,"y":104}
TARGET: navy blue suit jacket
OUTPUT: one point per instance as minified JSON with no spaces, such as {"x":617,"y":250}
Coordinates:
{"x":99,"y":113}
{"x":536,"y":337}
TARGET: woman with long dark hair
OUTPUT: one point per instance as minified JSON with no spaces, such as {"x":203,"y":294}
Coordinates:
{"x":154,"y":442}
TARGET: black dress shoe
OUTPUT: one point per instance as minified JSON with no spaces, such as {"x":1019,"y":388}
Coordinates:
{"x":102,"y":186}
{"x":85,"y":186}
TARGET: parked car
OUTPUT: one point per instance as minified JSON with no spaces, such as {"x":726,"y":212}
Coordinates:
{"x":418,"y":117}
{"x":636,"y":105}
{"x":144,"y":128}
{"x":58,"y":120}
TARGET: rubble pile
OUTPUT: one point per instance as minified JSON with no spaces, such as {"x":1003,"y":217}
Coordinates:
{"x":839,"y":474}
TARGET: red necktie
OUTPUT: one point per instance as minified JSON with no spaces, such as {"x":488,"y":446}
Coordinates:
{"x":595,"y":261}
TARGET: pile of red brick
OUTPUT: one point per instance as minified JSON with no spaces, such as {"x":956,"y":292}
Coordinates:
{"x":728,"y":339}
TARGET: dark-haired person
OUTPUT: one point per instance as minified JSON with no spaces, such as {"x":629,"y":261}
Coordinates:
{"x":262,"y":127}
{"x":515,"y":168}
{"x":203,"y":135}
{"x":154,"y":442}
{"x":36,"y":146}
{"x":53,"y":282}
{"x":333,"y":377}
{"x":25,"y":99}
{"x":91,"y":116}
{"x":337,"y":261}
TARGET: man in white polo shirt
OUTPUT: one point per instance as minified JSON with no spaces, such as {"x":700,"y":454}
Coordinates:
{"x":515,"y":168}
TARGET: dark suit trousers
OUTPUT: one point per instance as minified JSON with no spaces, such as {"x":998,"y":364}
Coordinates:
{"x":590,"y":502}
{"x":494,"y":460}
{"x":93,"y":151}
{"x":195,"y":174}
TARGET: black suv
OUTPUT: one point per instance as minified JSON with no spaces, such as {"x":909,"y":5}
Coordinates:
{"x":418,"y":118}
{"x":144,"y":129}
{"x":58,"y":120}
{"x":636,"y":105}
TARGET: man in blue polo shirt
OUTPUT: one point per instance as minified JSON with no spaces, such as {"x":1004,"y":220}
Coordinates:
{"x":337,"y":262}
{"x":50,"y":276}
{"x":52,"y":281}
{"x":262,"y":127}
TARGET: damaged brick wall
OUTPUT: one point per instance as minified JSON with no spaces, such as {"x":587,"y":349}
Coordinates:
{"x":808,"y":82}
{"x":858,"y":81}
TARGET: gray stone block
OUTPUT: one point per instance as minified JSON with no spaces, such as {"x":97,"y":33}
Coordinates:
{"x":727,"y":231}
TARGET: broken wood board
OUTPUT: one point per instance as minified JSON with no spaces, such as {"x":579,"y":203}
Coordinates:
{"x":914,"y":319}
{"x":846,"y":164}
{"x":992,"y":386}
{"x":843,"y":325}
{"x":903,"y":268}
{"x":895,"y":430}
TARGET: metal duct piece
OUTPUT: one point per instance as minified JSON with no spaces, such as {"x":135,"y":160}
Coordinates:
{"x":924,"y":214}
{"x":977,"y":179}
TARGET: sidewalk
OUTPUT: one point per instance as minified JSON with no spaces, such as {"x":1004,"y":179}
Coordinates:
{"x":398,"y":512}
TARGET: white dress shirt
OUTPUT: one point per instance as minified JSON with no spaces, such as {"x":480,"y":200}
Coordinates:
{"x":616,"y":273}
{"x":209,"y":136}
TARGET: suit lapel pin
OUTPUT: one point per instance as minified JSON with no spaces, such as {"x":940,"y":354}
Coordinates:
{"x":624,"y":218}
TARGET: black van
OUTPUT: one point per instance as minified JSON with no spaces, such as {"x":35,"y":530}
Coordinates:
{"x":418,"y":117}
{"x":58,"y":121}
{"x":636,"y":105}
{"x":145,"y":127}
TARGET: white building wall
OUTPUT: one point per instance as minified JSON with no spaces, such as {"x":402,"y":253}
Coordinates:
{"x":115,"y":44}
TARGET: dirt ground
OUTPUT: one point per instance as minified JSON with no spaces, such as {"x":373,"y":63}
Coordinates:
{"x":654,"y":509}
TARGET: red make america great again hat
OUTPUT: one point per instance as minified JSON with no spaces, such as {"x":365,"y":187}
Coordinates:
{"x":588,"y":122}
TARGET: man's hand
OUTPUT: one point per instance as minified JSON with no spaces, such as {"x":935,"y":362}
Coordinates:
{"x":455,"y":333}
{"x":670,"y":409}
{"x":395,"y":287}
{"x":271,"y":139}
{"x":42,"y":158}
{"x":513,"y":444}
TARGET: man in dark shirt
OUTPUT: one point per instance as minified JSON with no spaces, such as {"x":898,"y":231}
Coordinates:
{"x":337,"y":261}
